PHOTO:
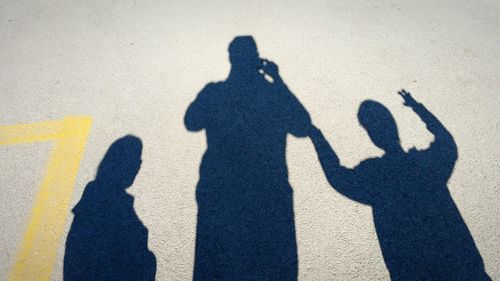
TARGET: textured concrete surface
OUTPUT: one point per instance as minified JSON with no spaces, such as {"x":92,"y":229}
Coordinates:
{"x":134,"y":67}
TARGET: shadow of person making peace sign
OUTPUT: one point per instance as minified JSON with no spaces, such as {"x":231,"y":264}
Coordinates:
{"x":245,"y":225}
{"x":420,"y":230}
{"x":107,"y":241}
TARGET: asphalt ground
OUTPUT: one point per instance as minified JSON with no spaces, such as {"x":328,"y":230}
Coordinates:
{"x":87,"y":73}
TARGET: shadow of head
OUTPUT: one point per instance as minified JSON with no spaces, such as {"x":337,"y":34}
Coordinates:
{"x":121,"y":163}
{"x":380,"y":125}
{"x":243,"y":53}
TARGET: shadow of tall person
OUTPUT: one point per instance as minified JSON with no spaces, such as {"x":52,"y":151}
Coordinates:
{"x":245,"y":225}
{"x":107,"y":241}
{"x":421,"y":232}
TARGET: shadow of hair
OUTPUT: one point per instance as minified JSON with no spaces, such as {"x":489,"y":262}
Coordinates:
{"x":107,"y":241}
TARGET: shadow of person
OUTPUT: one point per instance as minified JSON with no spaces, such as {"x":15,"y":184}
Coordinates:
{"x":107,"y":241}
{"x":245,"y":224}
{"x":421,"y":232}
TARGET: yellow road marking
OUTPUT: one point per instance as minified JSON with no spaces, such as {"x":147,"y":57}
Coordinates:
{"x":37,"y":253}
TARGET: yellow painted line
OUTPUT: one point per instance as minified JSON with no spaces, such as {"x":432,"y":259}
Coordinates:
{"x":36,"y":132}
{"x":36,"y":256}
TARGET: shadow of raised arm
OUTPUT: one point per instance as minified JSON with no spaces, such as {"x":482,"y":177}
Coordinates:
{"x":442,"y":153}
